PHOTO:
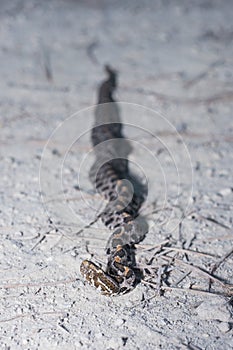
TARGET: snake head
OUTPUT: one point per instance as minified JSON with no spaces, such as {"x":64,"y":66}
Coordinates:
{"x":95,"y":276}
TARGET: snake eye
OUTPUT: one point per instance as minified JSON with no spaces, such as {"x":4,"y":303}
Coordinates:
{"x":120,"y":252}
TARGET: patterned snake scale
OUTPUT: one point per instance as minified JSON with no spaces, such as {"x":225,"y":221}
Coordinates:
{"x":123,"y":193}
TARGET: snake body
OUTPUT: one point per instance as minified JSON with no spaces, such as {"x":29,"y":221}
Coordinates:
{"x":110,"y":175}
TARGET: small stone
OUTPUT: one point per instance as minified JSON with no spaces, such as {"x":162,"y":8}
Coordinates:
{"x":99,"y":335}
{"x":215,"y":309}
{"x":205,"y":335}
{"x":28,"y":219}
{"x":119,"y":322}
{"x":24,"y":341}
{"x":223,"y":173}
{"x":224,"y":327}
{"x":114,"y":343}
{"x":225,"y":192}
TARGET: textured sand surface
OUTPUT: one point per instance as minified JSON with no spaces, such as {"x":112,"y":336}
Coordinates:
{"x":176,"y":76}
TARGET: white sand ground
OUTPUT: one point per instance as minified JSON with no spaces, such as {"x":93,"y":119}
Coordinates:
{"x":172,"y":56}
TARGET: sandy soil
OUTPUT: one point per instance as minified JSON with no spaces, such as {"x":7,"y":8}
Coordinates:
{"x":175,"y":76}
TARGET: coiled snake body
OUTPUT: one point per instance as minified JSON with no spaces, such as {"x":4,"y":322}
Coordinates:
{"x":111,"y":177}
